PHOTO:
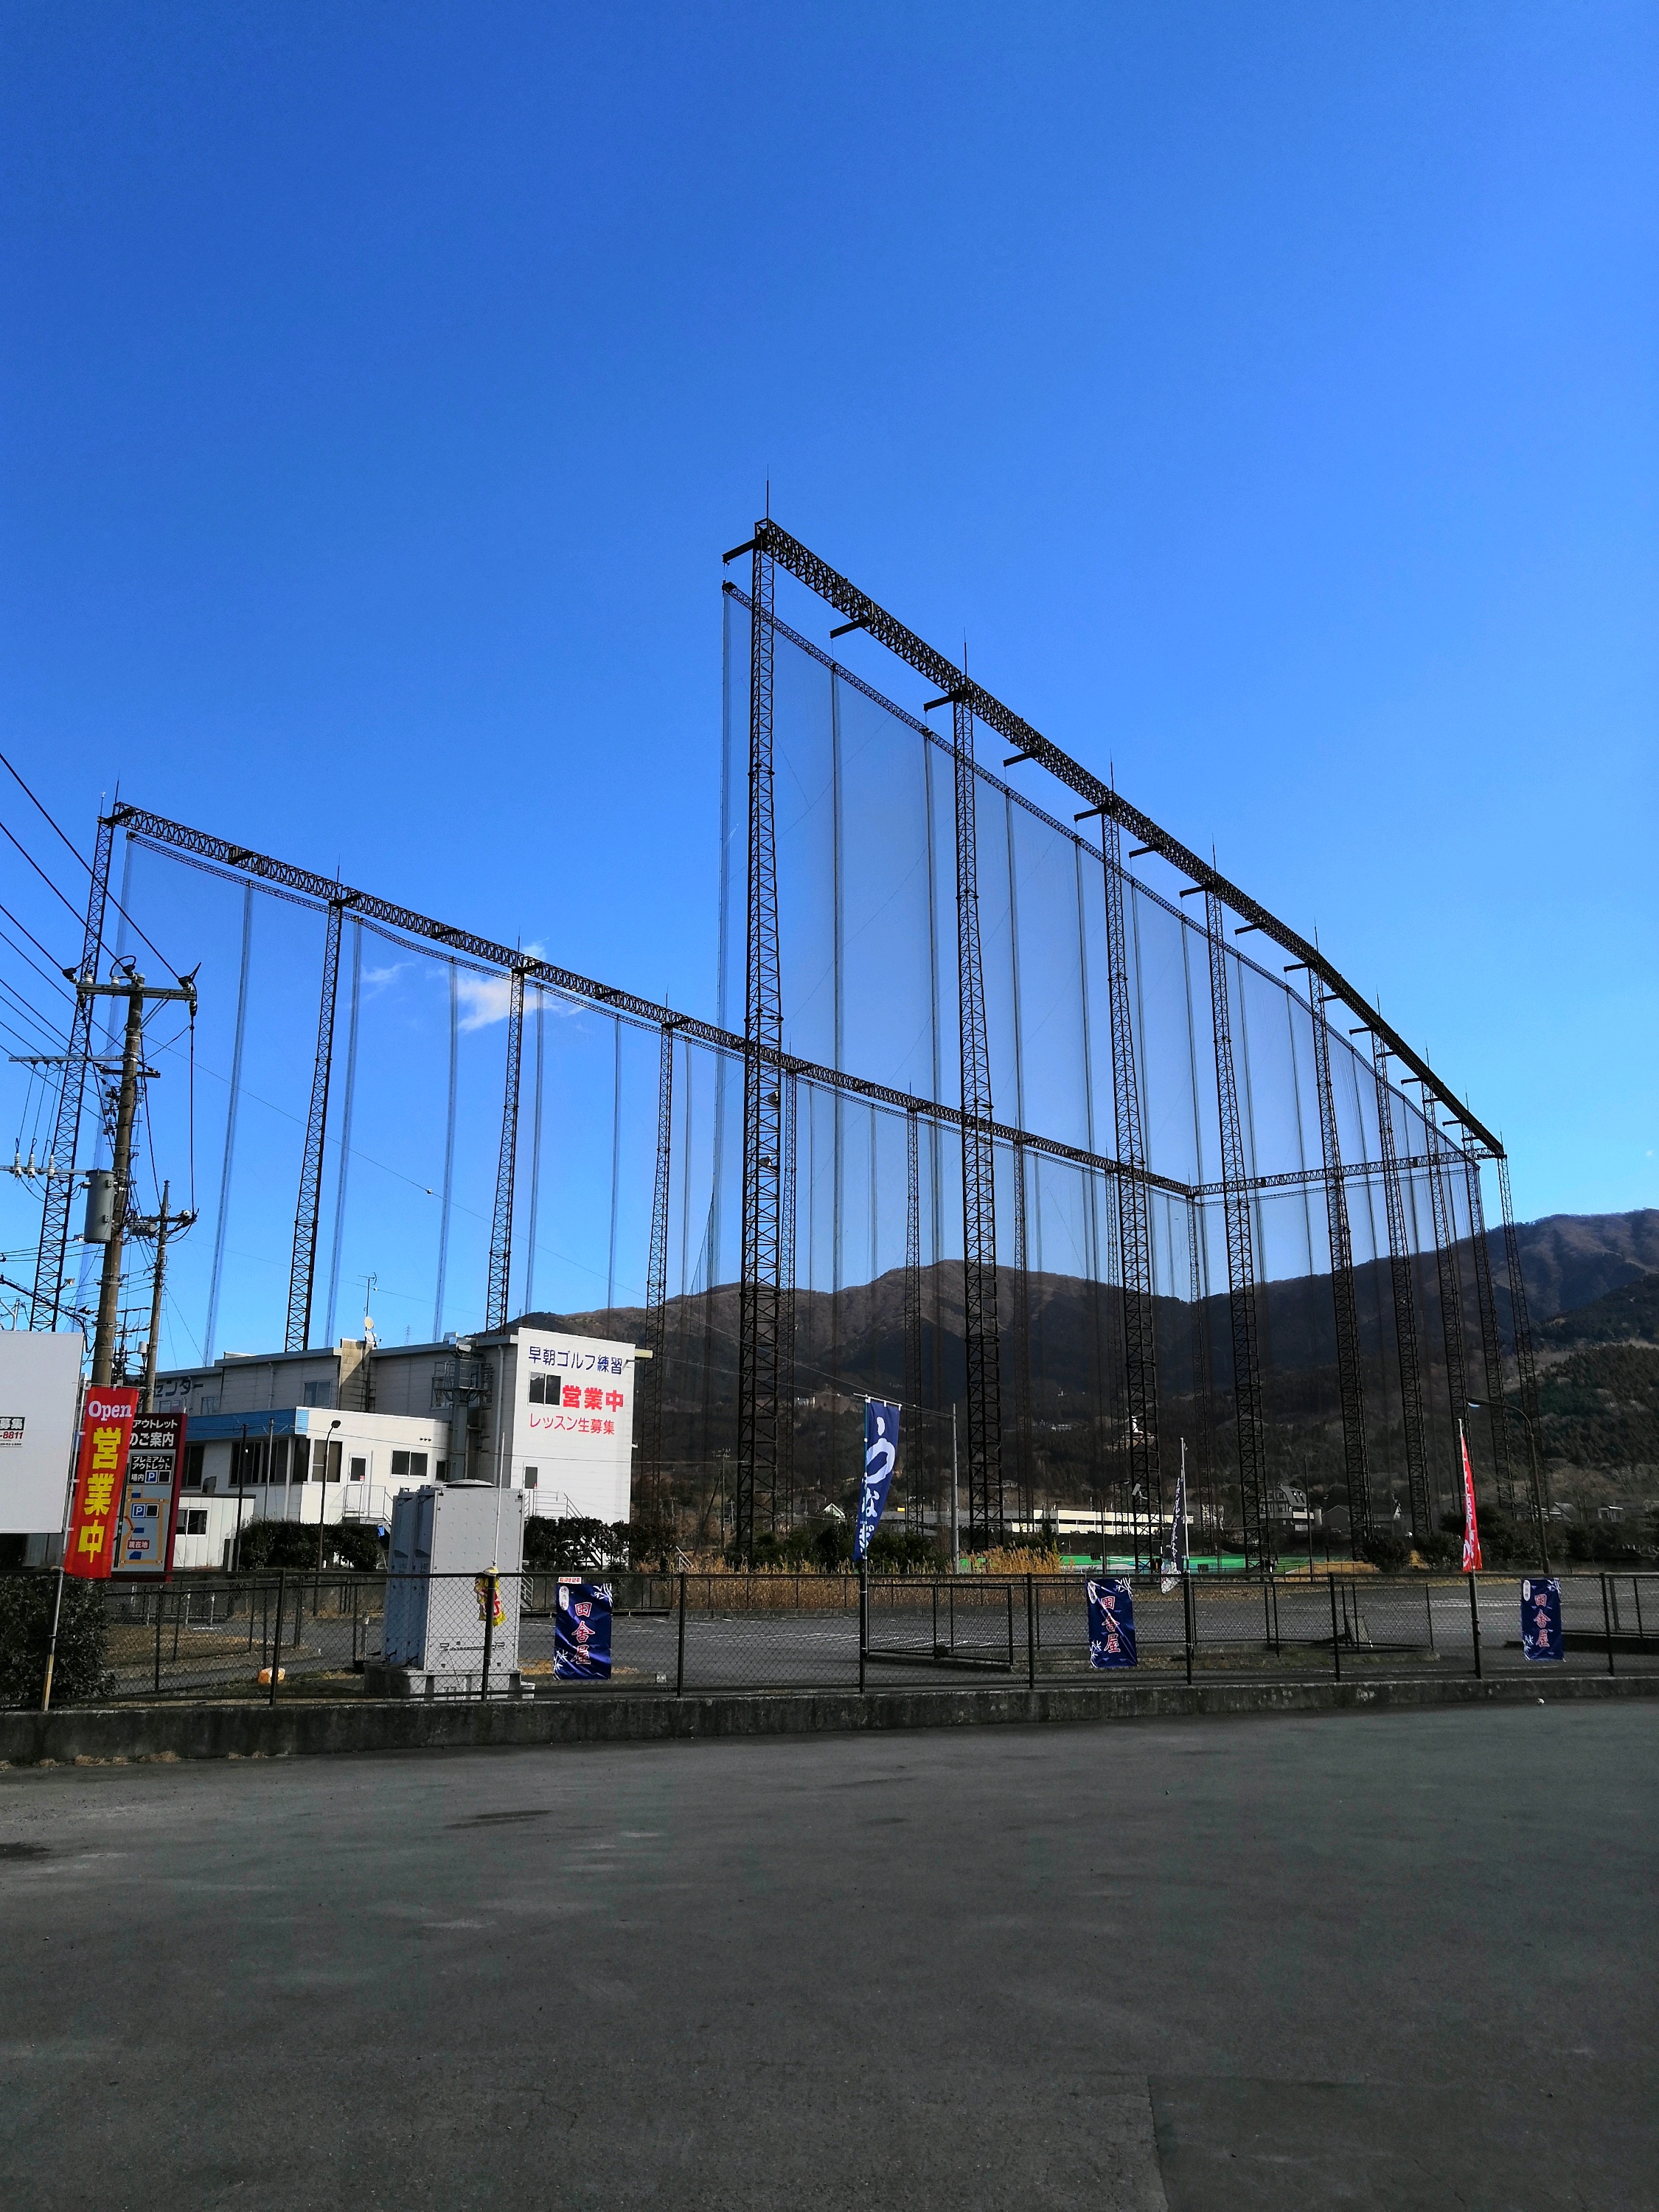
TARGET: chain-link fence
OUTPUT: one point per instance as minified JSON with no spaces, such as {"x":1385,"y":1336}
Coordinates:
{"x":291,"y":1635}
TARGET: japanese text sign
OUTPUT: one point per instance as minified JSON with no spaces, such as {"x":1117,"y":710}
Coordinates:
{"x":100,"y":1470}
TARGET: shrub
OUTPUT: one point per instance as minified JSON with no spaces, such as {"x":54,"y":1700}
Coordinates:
{"x":1387,"y":1551}
{"x":267,"y":1546}
{"x":79,"y":1670}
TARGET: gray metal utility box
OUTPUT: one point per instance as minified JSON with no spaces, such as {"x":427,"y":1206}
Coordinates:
{"x":452,"y":1543}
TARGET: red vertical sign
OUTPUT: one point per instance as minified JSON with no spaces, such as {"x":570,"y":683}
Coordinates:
{"x":105,"y":1437}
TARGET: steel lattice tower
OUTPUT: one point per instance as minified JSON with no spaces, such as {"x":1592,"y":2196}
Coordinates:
{"x":501,"y":1228}
{"x":761,"y":1302}
{"x":1024,"y":1455}
{"x":46,"y":1304}
{"x":783,"y":1496}
{"x":302,"y":1268}
{"x":1405,"y":1300}
{"x":1241,"y":1255}
{"x":1350,"y":1372}
{"x":656,"y":1269}
{"x":979,"y":1270}
{"x":1451,"y":1286}
{"x":1491,"y":1347}
{"x":1133,"y":1207}
{"x":913,"y":1455}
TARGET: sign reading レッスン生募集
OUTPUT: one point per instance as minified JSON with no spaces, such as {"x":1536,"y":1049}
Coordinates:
{"x":105,"y":1435}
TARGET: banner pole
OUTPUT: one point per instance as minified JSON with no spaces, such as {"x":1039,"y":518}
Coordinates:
{"x":1475,"y":1622}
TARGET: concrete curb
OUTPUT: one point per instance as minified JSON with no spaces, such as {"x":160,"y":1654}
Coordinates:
{"x":131,"y":1733}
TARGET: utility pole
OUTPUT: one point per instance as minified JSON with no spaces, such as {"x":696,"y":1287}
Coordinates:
{"x":157,"y":1226}
{"x":133,"y":989}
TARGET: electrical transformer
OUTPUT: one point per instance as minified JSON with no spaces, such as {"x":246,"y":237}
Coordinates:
{"x":455,"y":1552}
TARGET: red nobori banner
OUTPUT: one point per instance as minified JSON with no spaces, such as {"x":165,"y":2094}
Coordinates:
{"x":105,"y":1437}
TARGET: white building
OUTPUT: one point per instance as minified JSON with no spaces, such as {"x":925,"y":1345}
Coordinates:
{"x":301,"y":1436}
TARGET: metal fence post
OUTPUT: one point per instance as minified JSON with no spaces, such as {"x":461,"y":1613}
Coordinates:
{"x":277,"y":1638}
{"x":161,"y":1596}
{"x":490,"y":1582}
{"x":1030,"y":1632}
{"x":679,"y":1672}
{"x":1336,"y":1641}
{"x":1189,"y":1611}
{"x":864,"y":1617}
{"x":1475,"y":1622}
{"x":1606,"y":1623}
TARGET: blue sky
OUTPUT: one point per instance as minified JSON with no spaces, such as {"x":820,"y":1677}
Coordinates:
{"x":1265,"y":394}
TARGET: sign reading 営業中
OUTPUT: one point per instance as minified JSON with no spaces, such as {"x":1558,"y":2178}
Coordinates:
{"x":149,"y":1494}
{"x":105,"y":1433}
{"x":573,"y":1421}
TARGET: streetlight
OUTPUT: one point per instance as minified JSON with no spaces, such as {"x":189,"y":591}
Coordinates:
{"x":1536,"y":1460}
{"x":322,"y":1495}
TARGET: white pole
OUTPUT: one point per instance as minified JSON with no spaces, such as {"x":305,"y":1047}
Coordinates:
{"x":955,"y":1525}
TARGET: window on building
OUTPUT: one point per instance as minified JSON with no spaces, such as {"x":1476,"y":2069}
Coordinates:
{"x":335,"y":1454}
{"x":193,"y":1522}
{"x":319,"y":1394}
{"x":301,"y":1453}
{"x":531,"y":1477}
{"x":443,"y":1470}
{"x":359,"y":1471}
{"x":400,"y":1467}
{"x":417,"y":1466}
{"x":539,"y":1389}
{"x":194,"y":1454}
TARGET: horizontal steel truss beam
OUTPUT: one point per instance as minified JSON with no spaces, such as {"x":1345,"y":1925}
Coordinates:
{"x":238,"y":861}
{"x":865,"y":614}
{"x":304,"y":886}
{"x":1305,"y":1178}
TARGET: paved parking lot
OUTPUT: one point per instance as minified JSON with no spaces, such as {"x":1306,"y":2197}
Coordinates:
{"x":1392,"y":1960}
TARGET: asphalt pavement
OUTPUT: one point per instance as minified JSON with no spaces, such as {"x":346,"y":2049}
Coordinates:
{"x":1383,"y":1960}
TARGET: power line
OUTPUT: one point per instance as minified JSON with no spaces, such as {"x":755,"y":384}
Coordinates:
{"x":39,"y":870}
{"x":32,"y":963}
{"x":81,"y":861}
{"x":36,"y":943}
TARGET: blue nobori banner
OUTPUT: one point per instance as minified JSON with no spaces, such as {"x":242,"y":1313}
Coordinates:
{"x":881,"y":1433}
{"x":1111,"y":1624}
{"x":581,"y":1632}
{"x":1540,"y":1618}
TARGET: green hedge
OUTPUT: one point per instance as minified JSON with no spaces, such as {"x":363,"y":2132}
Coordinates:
{"x":81,"y":1670}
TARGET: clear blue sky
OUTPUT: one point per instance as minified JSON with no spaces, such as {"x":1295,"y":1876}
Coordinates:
{"x":1266,"y":393}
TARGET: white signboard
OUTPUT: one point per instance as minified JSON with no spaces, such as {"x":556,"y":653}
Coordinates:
{"x":39,"y":1386}
{"x":573,"y":1424}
